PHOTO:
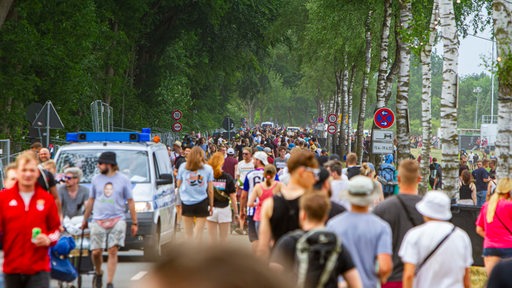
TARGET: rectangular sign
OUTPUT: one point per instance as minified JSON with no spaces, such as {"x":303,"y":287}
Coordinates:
{"x":382,"y":148}
{"x":382,"y":136}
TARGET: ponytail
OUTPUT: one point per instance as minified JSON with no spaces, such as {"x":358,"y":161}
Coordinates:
{"x":268,"y":179}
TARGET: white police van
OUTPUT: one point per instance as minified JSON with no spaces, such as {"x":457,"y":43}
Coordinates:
{"x":148,"y":167}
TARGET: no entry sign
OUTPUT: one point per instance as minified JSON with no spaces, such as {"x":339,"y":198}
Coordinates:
{"x":384,"y":118}
{"x":176,"y":127}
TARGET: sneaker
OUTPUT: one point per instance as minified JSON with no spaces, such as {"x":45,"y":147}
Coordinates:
{"x":239,"y":231}
{"x":110,"y":285}
{"x":97,"y":280}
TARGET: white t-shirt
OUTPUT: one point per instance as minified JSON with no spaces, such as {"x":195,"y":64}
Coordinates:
{"x":446,"y":267}
{"x":337,"y":187}
{"x":26,"y":196}
{"x":244,"y":168}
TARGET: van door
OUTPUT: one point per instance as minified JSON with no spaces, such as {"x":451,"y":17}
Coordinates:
{"x":164,"y":197}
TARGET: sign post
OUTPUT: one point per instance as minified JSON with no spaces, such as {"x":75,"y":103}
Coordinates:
{"x":177,"y":114}
{"x":332,"y":118}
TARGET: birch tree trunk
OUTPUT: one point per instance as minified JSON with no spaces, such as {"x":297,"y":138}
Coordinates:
{"x":344,"y":124}
{"x":402,"y":96}
{"x":364,"y":91}
{"x":502,"y":18}
{"x":384,"y":52}
{"x":449,"y":137}
{"x":340,"y":110}
{"x":426,"y":100}
{"x":349,"y":107}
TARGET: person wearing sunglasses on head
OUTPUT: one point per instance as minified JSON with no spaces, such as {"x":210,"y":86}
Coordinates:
{"x":73,"y":195}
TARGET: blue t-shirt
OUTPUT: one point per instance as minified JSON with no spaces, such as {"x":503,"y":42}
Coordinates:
{"x":480,"y":174}
{"x":365,"y":235}
{"x":110,"y":195}
{"x":194,"y":184}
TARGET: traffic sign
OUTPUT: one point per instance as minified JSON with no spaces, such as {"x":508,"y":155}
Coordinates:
{"x":331,"y":128}
{"x":384,"y":118}
{"x":332,"y":118}
{"x":382,"y":148}
{"x":228,"y":124}
{"x":177,"y":114}
{"x":176,"y":127}
{"x":382,"y":136}
{"x":320,"y":120}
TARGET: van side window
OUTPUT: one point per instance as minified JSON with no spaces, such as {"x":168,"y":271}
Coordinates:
{"x":162,"y":164}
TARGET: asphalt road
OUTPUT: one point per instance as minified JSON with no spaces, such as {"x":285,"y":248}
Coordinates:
{"x":133,"y":267}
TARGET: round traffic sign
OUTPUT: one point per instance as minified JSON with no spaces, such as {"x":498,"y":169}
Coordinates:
{"x":331,"y":128}
{"x":177,"y":114}
{"x":332,"y":118}
{"x":176,"y":127}
{"x":320,"y":120}
{"x":384,"y":118}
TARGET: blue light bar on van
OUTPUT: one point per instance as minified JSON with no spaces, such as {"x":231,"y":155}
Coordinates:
{"x":109,"y":136}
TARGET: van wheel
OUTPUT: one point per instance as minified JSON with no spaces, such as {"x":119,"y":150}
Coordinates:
{"x":153,"y":252}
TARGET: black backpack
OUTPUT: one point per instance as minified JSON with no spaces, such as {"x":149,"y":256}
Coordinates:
{"x":316,"y":255}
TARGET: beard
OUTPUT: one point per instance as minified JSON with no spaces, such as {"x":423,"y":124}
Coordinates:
{"x":104,"y":171}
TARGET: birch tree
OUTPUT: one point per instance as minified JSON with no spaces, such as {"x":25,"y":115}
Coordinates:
{"x":449,"y":136}
{"x":349,"y":106}
{"x":502,"y":18}
{"x":384,"y":54}
{"x":402,"y":96}
{"x":426,"y":99}
{"x":364,"y":90}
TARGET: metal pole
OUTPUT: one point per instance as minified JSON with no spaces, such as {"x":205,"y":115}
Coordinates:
{"x":48,"y":123}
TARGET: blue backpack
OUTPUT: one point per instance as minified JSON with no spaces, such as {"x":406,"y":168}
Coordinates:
{"x":386,"y":176}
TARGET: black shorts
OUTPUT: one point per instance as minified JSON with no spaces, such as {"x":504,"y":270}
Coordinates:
{"x":195,"y":210}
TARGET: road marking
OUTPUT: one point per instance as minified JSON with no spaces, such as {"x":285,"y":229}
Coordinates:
{"x":139,"y":275}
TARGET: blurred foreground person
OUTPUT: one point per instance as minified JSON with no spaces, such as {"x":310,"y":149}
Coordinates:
{"x":220,"y":267}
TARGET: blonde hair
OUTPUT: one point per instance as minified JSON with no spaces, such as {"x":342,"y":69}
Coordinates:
{"x":26,"y":156}
{"x":502,"y":191}
{"x":365,"y":170}
{"x":216,"y":161}
{"x":195,"y":160}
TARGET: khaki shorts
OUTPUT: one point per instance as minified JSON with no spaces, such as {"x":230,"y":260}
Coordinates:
{"x":221,"y":215}
{"x":112,"y":237}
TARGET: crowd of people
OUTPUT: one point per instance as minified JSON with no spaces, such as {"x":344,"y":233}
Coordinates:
{"x":313,"y":219}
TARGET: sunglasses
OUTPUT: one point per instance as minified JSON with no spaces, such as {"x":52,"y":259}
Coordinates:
{"x":316,"y":171}
{"x":70,"y":177}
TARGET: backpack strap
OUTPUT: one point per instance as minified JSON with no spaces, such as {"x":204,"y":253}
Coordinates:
{"x":43,"y":174}
{"x":433,"y":251}
{"x":407,"y":212}
{"x":302,"y":253}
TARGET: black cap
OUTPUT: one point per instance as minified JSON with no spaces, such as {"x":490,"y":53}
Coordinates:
{"x":322,"y":177}
{"x":108,"y":158}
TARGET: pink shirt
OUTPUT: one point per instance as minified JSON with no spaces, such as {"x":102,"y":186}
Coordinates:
{"x":496,"y":235}
{"x":265,"y":193}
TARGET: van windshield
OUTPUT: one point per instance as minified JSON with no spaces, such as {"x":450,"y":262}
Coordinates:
{"x":134,"y":164}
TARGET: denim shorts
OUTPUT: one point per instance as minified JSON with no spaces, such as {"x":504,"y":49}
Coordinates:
{"x":499,"y":252}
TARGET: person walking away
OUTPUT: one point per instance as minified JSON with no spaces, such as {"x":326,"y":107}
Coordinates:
{"x":29,"y":225}
{"x":73,"y":195}
{"x":323,"y":185}
{"x":224,"y":192}
{"x":482,"y":178}
{"x":400,"y":213}
{"x":352,"y":167}
{"x":110,"y":191}
{"x":370,"y":248}
{"x":494,"y":224}
{"x":195,"y":183}
{"x":467,"y":189}
{"x":435,"y":178}
{"x":252,"y":179}
{"x":230,"y":163}
{"x":280,"y":213}
{"x":436,"y":253}
{"x":263,"y":191}
{"x":311,"y":262}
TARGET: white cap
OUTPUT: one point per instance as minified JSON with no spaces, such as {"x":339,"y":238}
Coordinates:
{"x":262,"y":156}
{"x":231,"y":151}
{"x":362,"y":191}
{"x":435,"y":205}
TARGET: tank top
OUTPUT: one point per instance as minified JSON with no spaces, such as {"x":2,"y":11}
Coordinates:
{"x":465,"y":191}
{"x":285,"y":216}
{"x":265,"y":193}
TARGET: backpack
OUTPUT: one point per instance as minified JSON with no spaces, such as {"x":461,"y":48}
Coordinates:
{"x":386,"y":176}
{"x":317,"y":255}
{"x":433,"y":170}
